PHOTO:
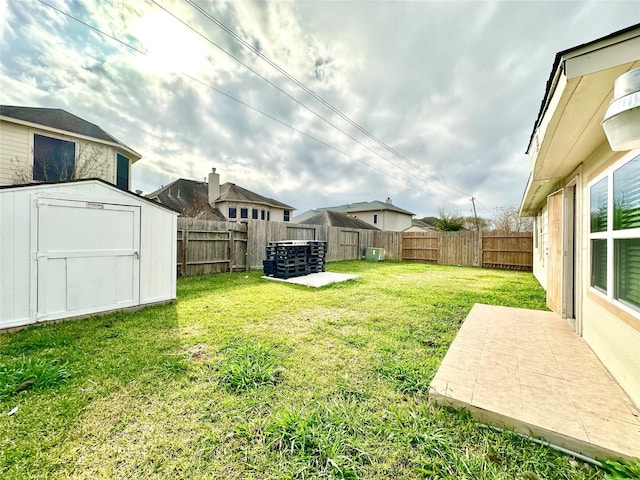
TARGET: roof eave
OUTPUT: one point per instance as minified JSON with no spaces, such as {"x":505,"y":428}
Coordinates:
{"x":134,"y":156}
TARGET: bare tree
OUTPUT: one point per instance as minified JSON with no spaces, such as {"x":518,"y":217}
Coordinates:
{"x":87,"y":164}
{"x":507,"y":219}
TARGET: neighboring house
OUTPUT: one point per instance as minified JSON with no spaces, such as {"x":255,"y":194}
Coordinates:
{"x":382,"y":215}
{"x":585,"y":200}
{"x":425,"y":224}
{"x":214,"y":201}
{"x":337,"y":219}
{"x":52,"y":145}
{"x":189,"y":197}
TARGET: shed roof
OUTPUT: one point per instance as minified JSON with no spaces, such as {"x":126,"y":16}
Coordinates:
{"x":88,"y":180}
{"x":338,"y":219}
{"x":59,"y":119}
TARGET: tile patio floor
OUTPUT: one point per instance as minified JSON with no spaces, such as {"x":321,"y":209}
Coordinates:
{"x":527,"y":370}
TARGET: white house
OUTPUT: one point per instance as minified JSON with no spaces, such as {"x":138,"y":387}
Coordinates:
{"x":585,"y":199}
{"x":80,"y":247}
{"x":52,"y":145}
{"x":383,"y":215}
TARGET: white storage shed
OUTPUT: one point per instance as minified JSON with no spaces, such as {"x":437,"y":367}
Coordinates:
{"x":82,"y":247}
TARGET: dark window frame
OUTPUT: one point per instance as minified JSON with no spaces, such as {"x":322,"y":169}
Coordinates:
{"x":233,"y":212}
{"x":54,"y":159}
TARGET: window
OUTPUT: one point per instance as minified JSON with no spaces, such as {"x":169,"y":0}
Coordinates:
{"x":261,"y":214}
{"x":268,"y":215}
{"x":254,"y":213}
{"x":375,"y":218}
{"x":233,"y":212}
{"x":615,"y":233}
{"x":122,"y":172}
{"x":54,"y":160}
{"x":244,"y":213}
{"x":286,"y":215}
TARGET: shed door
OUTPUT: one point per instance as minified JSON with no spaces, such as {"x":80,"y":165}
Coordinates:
{"x":555,"y":263}
{"x":87,"y":257}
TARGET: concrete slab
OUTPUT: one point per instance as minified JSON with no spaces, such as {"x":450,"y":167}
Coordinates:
{"x":316,"y":280}
{"x":526,"y":370}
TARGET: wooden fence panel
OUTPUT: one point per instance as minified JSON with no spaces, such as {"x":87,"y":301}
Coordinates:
{"x":458,"y":248}
{"x":391,"y":242}
{"x":507,"y":251}
{"x":420,"y":247}
{"x":486,"y":249}
{"x":206,"y":246}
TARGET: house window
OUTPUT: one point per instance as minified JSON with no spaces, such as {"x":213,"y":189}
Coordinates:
{"x":286,"y":215}
{"x":122,"y":172}
{"x":244,"y":213}
{"x":261,"y":214}
{"x":375,"y":218}
{"x":268,"y":215}
{"x":54,"y":160}
{"x":615,"y":233}
{"x":233,"y":213}
{"x":254,"y":213}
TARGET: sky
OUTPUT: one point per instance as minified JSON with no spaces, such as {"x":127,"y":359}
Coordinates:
{"x":426,"y":103}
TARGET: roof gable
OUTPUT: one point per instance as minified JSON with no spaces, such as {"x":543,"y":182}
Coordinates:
{"x":337,"y":219}
{"x":189,"y":197}
{"x":59,"y":119}
{"x":230,"y":192}
{"x":375,"y":205}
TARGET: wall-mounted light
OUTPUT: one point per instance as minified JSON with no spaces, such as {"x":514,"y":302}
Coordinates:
{"x":622,"y":120}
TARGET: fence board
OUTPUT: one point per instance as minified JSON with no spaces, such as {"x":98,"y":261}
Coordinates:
{"x":486,"y":249}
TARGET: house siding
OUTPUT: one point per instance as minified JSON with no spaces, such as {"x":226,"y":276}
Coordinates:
{"x":275,"y":214}
{"x":16,"y":151}
{"x":387,"y":220}
{"x":612,"y":339}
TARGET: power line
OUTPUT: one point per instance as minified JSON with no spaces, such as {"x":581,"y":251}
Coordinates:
{"x":231,"y":97}
{"x":273,"y":64}
{"x":248,"y":106}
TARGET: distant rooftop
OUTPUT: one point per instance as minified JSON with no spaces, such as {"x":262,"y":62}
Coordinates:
{"x":376,"y":205}
{"x":337,"y":219}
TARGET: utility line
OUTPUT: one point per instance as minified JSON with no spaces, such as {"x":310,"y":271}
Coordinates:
{"x":281,"y":70}
{"x":246,"y":105}
{"x":137,"y":50}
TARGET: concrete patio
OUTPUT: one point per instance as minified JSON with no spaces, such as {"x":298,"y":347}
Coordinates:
{"x":527,"y":371}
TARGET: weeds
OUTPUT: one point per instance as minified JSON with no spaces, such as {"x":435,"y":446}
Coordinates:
{"x":35,"y":373}
{"x":248,"y":365}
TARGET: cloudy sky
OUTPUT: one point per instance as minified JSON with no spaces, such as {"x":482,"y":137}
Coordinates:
{"x":439,"y":97}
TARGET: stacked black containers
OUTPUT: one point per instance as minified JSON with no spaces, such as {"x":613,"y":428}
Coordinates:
{"x":294,"y":258}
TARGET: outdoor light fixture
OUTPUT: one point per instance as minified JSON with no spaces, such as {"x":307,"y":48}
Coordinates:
{"x":622,"y":121}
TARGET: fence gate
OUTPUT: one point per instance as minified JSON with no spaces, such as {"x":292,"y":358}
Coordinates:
{"x":349,"y":245}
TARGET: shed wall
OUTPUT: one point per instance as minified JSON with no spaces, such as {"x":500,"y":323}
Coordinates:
{"x":18,"y":235}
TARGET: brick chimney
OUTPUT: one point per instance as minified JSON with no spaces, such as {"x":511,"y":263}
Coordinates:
{"x":214,"y":187}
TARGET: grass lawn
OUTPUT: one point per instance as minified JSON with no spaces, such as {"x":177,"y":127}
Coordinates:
{"x":243,"y":378}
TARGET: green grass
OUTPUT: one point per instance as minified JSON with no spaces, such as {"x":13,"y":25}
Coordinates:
{"x":247,"y":379}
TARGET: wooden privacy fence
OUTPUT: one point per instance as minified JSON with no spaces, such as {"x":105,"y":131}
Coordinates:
{"x":512,"y":251}
{"x":206,"y":246}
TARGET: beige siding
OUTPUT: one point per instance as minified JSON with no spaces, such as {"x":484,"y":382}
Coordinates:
{"x":275,"y":214}
{"x":15,"y":150}
{"x":387,"y":220}
{"x":613,"y":334}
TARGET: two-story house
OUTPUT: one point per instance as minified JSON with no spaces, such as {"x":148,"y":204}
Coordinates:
{"x":213,"y":201}
{"x":52,"y":145}
{"x":383,"y":215}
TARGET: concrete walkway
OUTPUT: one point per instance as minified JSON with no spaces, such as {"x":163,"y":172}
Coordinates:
{"x":527,"y":370}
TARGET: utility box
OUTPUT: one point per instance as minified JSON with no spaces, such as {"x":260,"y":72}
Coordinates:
{"x":374,"y":254}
